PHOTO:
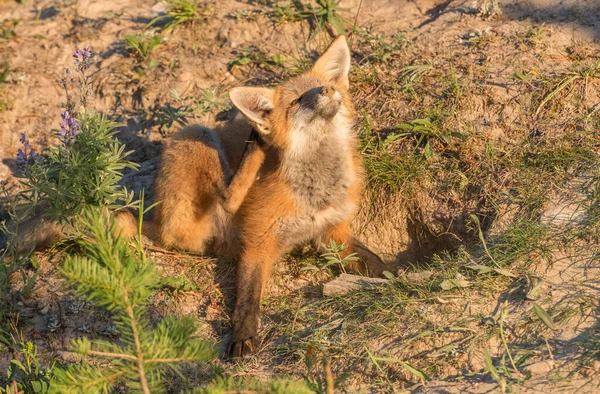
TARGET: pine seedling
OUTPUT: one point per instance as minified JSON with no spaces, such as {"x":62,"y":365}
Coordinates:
{"x":120,"y":279}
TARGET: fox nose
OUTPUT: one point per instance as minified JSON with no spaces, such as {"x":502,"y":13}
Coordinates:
{"x":327,"y":91}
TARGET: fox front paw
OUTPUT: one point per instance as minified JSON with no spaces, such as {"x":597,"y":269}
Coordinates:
{"x":242,"y":348}
{"x":377,"y":269}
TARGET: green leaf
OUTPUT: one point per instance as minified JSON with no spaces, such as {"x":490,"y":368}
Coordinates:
{"x":489,"y":366}
{"x":278,"y":59}
{"x":392,"y":137}
{"x":18,"y":364}
{"x":544,"y":316}
{"x":482,"y":269}
{"x":448,"y":284}
{"x":243,"y":61}
{"x":389,"y":275}
{"x":428,"y":152}
{"x":504,"y":272}
{"x":29,"y":285}
{"x":415,"y":371}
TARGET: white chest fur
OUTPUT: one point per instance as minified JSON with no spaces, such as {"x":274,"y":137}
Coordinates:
{"x":319,"y":170}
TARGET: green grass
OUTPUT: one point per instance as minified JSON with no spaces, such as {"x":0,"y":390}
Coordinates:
{"x":324,"y":15}
{"x":7,"y":28}
{"x":179,"y":12}
{"x":142,"y":45}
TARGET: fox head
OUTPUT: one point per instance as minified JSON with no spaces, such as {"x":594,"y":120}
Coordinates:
{"x":306,"y":108}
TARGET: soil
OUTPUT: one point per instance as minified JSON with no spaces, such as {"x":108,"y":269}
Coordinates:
{"x":198,"y":57}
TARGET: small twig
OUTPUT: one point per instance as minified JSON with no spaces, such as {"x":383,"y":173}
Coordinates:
{"x":356,"y":18}
{"x":549,"y":350}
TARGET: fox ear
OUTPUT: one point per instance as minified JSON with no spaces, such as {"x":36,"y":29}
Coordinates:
{"x":255,"y":104}
{"x":334,"y":64}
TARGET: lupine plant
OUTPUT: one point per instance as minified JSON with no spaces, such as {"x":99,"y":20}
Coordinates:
{"x":83,"y":168}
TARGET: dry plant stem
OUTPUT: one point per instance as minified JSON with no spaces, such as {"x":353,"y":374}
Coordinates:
{"x":356,"y":17}
{"x":512,"y":362}
{"x":549,"y":350}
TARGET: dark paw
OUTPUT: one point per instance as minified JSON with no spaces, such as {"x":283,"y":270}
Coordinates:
{"x":375,"y":266}
{"x":376,"y":269}
{"x":243,"y":348}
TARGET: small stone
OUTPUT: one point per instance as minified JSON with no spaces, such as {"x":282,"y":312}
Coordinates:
{"x":346,"y":283}
{"x":418,"y":277}
{"x":45,"y":309}
{"x":540,"y":368}
{"x":159,"y":9}
{"x":229,"y":76}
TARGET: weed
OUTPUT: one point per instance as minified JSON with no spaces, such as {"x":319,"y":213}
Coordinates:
{"x":28,"y":376}
{"x":288,"y":13}
{"x":582,"y":75}
{"x":84,"y":167}
{"x":413,"y":73}
{"x":142,"y":45}
{"x":210,"y":100}
{"x":221,"y":385}
{"x":487,"y":8}
{"x":7,"y":28}
{"x":327,"y":15}
{"x":5,"y":67}
{"x":324,"y":16}
{"x":180,"y":283}
{"x":179,"y":12}
{"x":255,"y":57}
{"x":533,"y":36}
{"x":480,"y":38}
{"x":380,"y":48}
{"x":591,"y":347}
{"x":6,"y":103}
{"x":168,"y":116}
{"x":386,"y":171}
{"x":332,"y":259}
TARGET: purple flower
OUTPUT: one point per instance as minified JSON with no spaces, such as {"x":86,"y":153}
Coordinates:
{"x":21,"y":158}
{"x":68,"y":71}
{"x":69,"y":128}
{"x":83,"y":58}
{"x":27,"y":154}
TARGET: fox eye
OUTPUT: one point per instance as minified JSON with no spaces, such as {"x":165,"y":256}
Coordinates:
{"x":296,"y":101}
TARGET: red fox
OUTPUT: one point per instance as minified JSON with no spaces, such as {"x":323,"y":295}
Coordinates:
{"x":301,"y":180}
{"x":308,"y":187}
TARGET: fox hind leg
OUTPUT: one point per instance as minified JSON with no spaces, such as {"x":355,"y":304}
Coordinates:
{"x":368,"y":262}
